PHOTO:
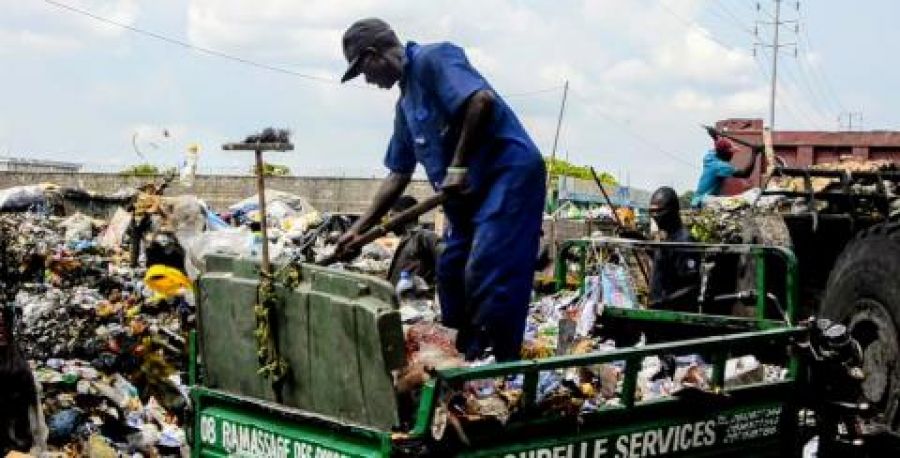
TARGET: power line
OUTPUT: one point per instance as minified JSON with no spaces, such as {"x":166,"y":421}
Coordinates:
{"x":722,"y":5}
{"x":817,"y":101}
{"x":694,"y":25}
{"x":814,"y":89}
{"x":776,"y":45}
{"x":731,"y":17}
{"x":201,"y":49}
{"x":814,"y":69}
{"x":238,"y":59}
{"x":630,"y":131}
{"x":794,"y":111}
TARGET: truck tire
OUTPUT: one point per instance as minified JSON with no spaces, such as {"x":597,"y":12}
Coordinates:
{"x":761,"y":229}
{"x":864,"y":293}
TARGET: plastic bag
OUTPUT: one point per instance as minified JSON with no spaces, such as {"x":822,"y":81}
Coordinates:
{"x":21,"y":197}
{"x":590,"y":306}
{"x":188,"y":217}
{"x":235,"y":242}
{"x":279,"y":205}
{"x":78,"y":227}
{"x":617,"y":286}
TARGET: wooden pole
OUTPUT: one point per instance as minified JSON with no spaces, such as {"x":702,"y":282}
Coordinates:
{"x":264,"y":265}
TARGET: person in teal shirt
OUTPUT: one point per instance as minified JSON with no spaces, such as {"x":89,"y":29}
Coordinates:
{"x":717,"y":167}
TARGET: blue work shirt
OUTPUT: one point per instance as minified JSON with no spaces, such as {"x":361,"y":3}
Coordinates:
{"x":437,"y":81}
{"x":715,"y":171}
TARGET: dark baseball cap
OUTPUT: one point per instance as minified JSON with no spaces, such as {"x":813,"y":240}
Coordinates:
{"x":365,"y":33}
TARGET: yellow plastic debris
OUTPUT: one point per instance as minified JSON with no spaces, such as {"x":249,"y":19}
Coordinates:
{"x":166,"y":280}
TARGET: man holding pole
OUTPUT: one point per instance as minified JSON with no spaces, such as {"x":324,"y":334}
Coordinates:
{"x":476,"y":152}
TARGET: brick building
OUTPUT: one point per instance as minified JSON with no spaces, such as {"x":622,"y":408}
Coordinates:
{"x":804,"y":148}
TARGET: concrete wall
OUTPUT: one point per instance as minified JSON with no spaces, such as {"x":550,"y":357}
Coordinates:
{"x":219,"y":191}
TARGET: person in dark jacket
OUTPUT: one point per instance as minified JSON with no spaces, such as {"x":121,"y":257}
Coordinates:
{"x":417,"y":251}
{"x":675,"y":281}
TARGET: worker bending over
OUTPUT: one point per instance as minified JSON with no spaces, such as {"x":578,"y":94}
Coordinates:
{"x":475,"y":150}
{"x":717,"y":167}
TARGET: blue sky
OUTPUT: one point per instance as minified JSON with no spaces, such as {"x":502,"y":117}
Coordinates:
{"x":643,"y":75}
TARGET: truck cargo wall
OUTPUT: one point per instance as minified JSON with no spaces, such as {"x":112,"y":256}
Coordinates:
{"x":330,"y":194}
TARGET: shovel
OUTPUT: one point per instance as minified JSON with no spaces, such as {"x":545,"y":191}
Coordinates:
{"x":377,"y":231}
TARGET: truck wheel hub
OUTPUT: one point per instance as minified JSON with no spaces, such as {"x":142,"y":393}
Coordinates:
{"x":873,"y":328}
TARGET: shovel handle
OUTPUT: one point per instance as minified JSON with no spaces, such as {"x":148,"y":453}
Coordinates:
{"x":401,"y":219}
{"x":714,"y":133}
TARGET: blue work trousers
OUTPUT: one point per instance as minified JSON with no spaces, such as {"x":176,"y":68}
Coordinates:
{"x":486,"y":271}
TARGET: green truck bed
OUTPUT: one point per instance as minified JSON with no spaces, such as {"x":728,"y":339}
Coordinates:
{"x":341,"y":336}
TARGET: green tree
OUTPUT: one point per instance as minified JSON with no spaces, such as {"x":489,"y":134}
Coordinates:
{"x":685,"y":199}
{"x":562,"y":168}
{"x":141,"y":170}
{"x":272,"y":170}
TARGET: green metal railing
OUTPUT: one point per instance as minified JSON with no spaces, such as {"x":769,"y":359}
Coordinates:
{"x":751,"y":335}
{"x":719,"y":349}
{"x":735,"y":336}
{"x":759,"y":252}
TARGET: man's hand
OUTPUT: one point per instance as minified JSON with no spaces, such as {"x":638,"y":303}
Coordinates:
{"x":456,"y":182}
{"x":345,"y":242}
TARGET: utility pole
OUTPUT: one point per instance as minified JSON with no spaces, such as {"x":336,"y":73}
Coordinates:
{"x":774,"y":65}
{"x":562,"y":110}
{"x":850,"y":116}
{"x":554,"y":190}
{"x":776,"y":46}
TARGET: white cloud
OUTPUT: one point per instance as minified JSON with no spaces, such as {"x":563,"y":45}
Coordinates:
{"x":628,"y":62}
{"x":691,"y":100}
{"x":697,"y":57}
{"x":51,"y":28}
{"x":747,"y":101}
{"x":120,"y":11}
{"x":26,"y":41}
{"x":629,"y":70}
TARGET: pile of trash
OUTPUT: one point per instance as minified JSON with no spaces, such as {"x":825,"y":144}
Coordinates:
{"x":108,"y":354}
{"x":297,"y":231}
{"x":849,"y":166}
{"x":106,"y":334}
{"x":561,"y":324}
{"x":725,"y":219}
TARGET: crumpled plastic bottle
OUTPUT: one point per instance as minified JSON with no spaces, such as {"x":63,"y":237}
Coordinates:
{"x":406,"y":287}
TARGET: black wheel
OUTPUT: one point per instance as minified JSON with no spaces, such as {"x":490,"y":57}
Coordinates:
{"x":761,"y":229}
{"x":864,"y":293}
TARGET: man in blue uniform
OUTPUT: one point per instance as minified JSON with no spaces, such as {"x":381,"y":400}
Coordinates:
{"x":475,"y":150}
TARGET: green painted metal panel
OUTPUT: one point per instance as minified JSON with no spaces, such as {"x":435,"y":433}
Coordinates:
{"x":752,"y":430}
{"x":339,"y":332}
{"x":294,"y":334}
{"x":227,"y":431}
{"x":228,"y":348}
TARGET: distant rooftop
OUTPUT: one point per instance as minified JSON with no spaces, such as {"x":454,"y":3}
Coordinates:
{"x":20,"y":164}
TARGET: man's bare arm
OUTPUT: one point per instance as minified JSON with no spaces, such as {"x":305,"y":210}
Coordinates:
{"x":476,"y":116}
{"x":388,"y":192}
